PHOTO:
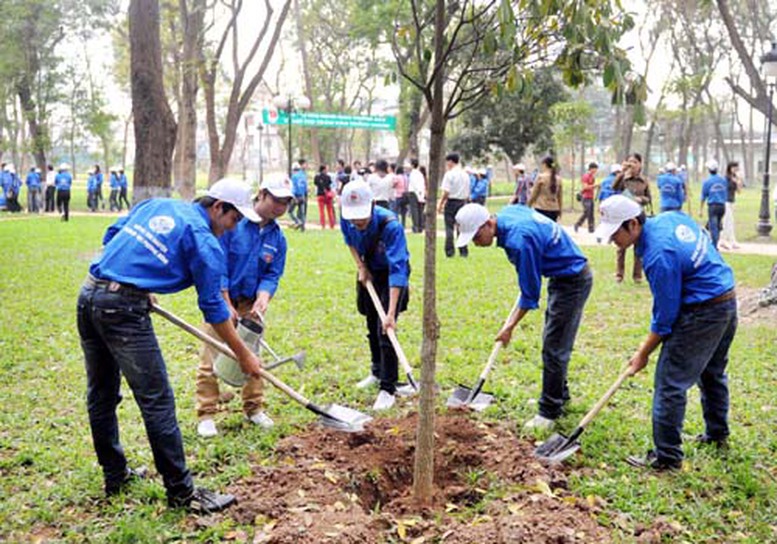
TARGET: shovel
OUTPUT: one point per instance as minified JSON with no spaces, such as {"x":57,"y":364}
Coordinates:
{"x":333,"y":416}
{"x":474,"y":398}
{"x":391,"y":334}
{"x":558,"y":447}
{"x":297,"y":358}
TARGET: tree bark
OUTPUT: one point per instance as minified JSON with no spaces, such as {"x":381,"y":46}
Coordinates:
{"x":423,"y":471}
{"x":303,"y":51}
{"x":192,"y":22}
{"x":37,"y":132}
{"x":155,"y":127}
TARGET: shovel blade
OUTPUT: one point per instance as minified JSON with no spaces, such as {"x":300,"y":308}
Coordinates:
{"x":299,"y":360}
{"x":557,"y":448}
{"x":460,"y":399}
{"x":342,"y":418}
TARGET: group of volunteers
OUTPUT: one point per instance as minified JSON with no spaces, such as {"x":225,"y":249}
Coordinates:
{"x":45,"y":194}
{"x":229,"y":246}
{"x":694,"y":303}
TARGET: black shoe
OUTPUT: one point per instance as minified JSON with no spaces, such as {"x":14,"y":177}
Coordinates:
{"x":132,"y":475}
{"x":203,"y":501}
{"x":576,"y":227}
{"x":719,"y":443}
{"x":651,"y":460}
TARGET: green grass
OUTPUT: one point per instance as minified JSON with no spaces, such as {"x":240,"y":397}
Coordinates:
{"x":50,"y":482}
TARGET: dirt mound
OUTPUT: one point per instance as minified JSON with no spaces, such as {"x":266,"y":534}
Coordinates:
{"x":751,"y":312}
{"x":326,"y":486}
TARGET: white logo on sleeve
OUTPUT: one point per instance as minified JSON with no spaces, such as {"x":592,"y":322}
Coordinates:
{"x":685,"y":234}
{"x":161,"y":224}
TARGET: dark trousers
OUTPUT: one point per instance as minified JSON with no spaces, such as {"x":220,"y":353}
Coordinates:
{"x":479,"y":200}
{"x":123,"y":198}
{"x":550,"y":214}
{"x":383,"y":204}
{"x":91,"y":200}
{"x":696,"y":352}
{"x":416,"y":212}
{"x":400,"y":207}
{"x":566,"y":299}
{"x":621,"y":265}
{"x":117,"y":338}
{"x":33,"y":199}
{"x":715,"y":213}
{"x":51,"y":192}
{"x":449,"y":213}
{"x":63,"y":204}
{"x":587,"y":215}
{"x":99,"y":197}
{"x":384,"y":358}
{"x":299,"y":205}
{"x":113,"y":199}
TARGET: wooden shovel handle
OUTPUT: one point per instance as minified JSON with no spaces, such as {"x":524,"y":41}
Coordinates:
{"x":390,"y":333}
{"x":498,"y":345}
{"x":606,"y":397}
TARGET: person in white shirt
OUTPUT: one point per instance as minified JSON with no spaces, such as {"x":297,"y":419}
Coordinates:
{"x":382,"y":184}
{"x":455,"y":191}
{"x":416,"y":196}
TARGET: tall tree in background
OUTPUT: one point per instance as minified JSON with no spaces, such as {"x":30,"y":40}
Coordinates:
{"x":155,"y":127}
{"x":473,"y":48}
{"x":245,"y":79}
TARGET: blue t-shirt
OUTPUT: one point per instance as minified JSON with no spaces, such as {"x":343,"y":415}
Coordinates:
{"x":672,"y":190}
{"x":681,"y":266}
{"x":114,"y":181}
{"x":387,"y":253}
{"x":33,"y":180}
{"x":478,"y":188}
{"x":98,"y":180}
{"x":63,"y":181}
{"x":256,"y":258}
{"x":714,"y":189}
{"x":536,"y":247}
{"x":299,"y":183}
{"x":91,"y":183}
{"x":123,"y":181}
{"x":165,"y":246}
{"x":605,"y":188}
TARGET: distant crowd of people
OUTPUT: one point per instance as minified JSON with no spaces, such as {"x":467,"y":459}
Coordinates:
{"x":45,"y":194}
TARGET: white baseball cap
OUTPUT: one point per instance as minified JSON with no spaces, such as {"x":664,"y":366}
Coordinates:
{"x":615,"y":210}
{"x":520,"y":166}
{"x":615,"y":168}
{"x":237,"y":193}
{"x":670,"y":166}
{"x":712,"y":165}
{"x":356,"y":200}
{"x":470,"y":218}
{"x":64,"y":166}
{"x":279,"y":186}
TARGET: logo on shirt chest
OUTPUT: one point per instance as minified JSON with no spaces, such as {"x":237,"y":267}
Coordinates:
{"x":161,"y":224}
{"x":685,"y":234}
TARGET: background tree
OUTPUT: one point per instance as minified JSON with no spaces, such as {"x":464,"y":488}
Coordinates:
{"x":474,"y":48}
{"x":245,"y":78}
{"x":155,"y":127}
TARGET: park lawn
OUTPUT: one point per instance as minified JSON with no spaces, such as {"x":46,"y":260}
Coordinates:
{"x":51,"y":485}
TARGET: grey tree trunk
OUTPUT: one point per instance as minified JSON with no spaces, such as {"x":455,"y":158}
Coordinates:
{"x":155,"y":127}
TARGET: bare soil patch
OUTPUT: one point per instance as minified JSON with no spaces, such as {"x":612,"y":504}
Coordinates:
{"x":326,"y":486}
{"x":750,"y":312}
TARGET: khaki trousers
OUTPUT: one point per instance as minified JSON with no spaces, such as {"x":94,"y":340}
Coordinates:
{"x":208,"y":384}
{"x":621,"y":265}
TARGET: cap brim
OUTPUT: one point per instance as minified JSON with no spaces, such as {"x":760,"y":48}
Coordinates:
{"x":249,"y":213}
{"x":605,"y":231}
{"x":280,"y":193}
{"x":465,"y":238}
{"x":357,"y":212}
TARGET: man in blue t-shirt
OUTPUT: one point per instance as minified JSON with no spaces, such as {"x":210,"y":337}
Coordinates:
{"x":377,"y":242}
{"x":605,"y":187}
{"x":671,"y":188}
{"x":162,"y":246}
{"x":715,"y":191}
{"x":299,"y":184}
{"x":256,"y":258}
{"x":694,"y":321}
{"x":63,"y":182}
{"x":537,"y":247}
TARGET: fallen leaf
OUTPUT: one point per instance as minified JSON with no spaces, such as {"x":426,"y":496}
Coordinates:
{"x":514,"y":509}
{"x":450,"y":507}
{"x":419,"y":540}
{"x":542,"y":486}
{"x":330,"y":476}
{"x":339,"y":506}
{"x":401,"y":530}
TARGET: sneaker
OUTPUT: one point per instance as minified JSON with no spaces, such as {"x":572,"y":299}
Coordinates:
{"x":539,"y":423}
{"x":651,"y":460}
{"x":207,"y":428}
{"x":132,"y":475}
{"x":261,"y":419}
{"x":406,"y":390}
{"x":384,"y":401}
{"x":203,"y":501}
{"x":577,"y":227}
{"x":369,"y":381}
{"x":719,"y":443}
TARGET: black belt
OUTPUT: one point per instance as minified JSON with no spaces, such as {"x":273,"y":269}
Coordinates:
{"x":728,"y":295}
{"x":115,"y":287}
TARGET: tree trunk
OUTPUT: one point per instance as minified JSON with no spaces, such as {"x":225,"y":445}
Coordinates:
{"x":38,"y":135}
{"x":303,"y":51}
{"x":155,"y":127}
{"x":423,"y":472}
{"x":125,"y":141}
{"x":192,"y":21}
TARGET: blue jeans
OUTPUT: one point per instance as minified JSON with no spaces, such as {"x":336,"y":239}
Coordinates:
{"x":696,"y":352}
{"x":566,"y":299}
{"x":715,"y":214}
{"x":118,"y":338}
